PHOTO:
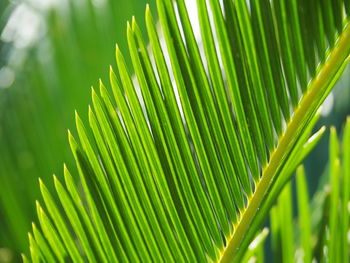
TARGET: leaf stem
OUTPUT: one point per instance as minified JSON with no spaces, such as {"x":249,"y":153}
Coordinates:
{"x":311,"y":100}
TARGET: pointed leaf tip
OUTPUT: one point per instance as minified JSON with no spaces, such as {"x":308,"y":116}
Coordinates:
{"x":76,"y":116}
{"x":111,"y":73}
{"x":133,"y":23}
{"x":101,"y":84}
{"x":118,"y":52}
{"x":93,"y":94}
{"x":147,"y":12}
{"x":117,"y":49}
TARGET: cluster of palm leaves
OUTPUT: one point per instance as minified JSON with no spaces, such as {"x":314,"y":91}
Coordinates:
{"x":183,"y":161}
{"x":323,"y":224}
{"x":320,"y":233}
{"x":191,"y":179}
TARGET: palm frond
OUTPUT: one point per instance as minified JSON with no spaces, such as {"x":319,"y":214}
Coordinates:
{"x":184,"y":163}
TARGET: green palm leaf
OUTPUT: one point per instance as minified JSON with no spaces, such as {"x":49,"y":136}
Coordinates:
{"x":185,"y":162}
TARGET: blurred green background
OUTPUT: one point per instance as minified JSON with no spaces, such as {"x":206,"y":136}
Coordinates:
{"x":51,"y":53}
